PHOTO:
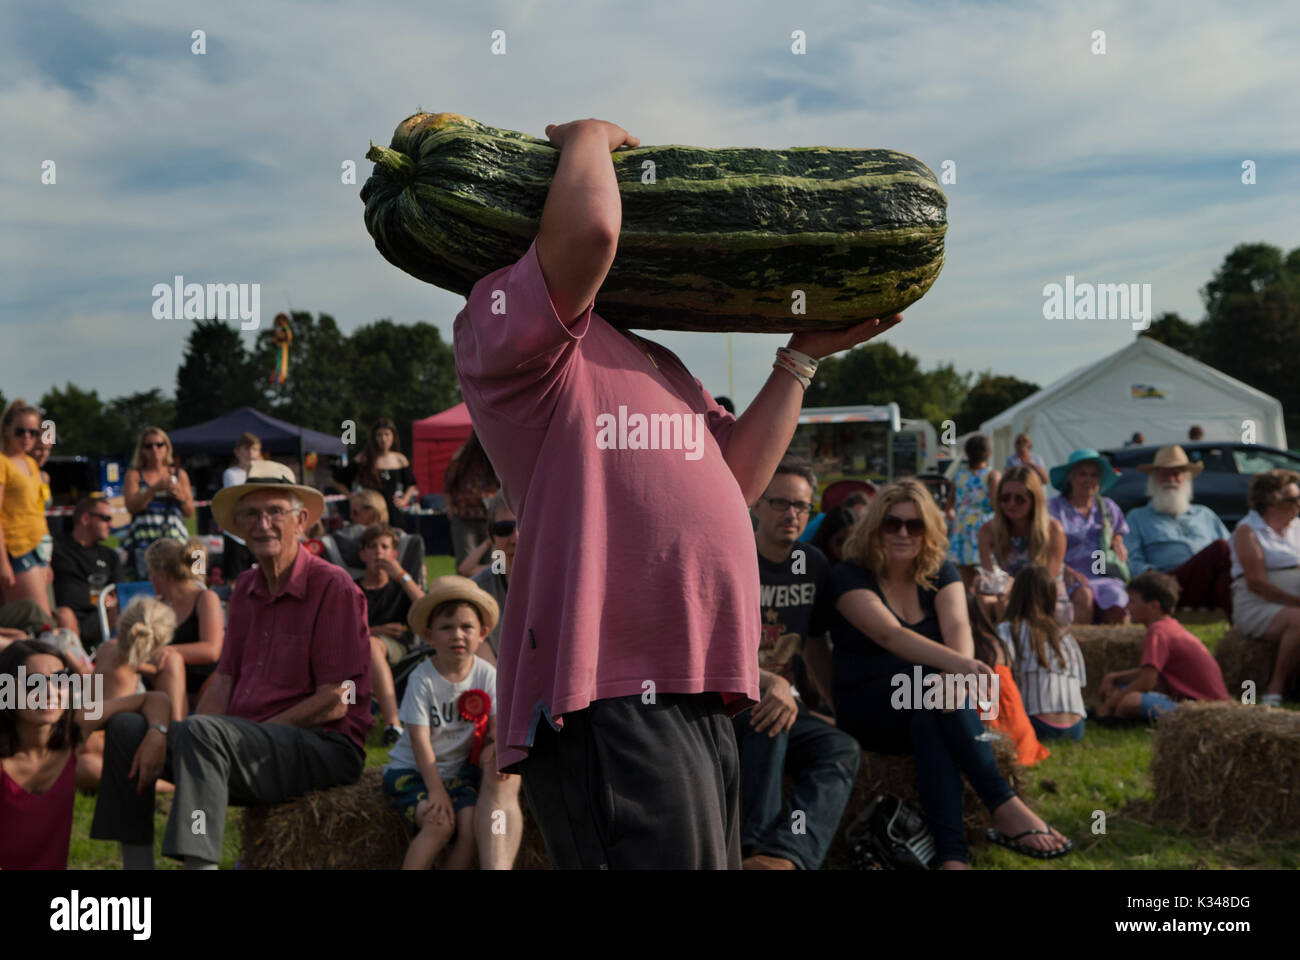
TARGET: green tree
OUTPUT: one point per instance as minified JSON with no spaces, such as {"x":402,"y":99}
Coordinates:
{"x":318,"y":390}
{"x":215,"y":375}
{"x":1173,"y":331}
{"x":83,"y":425}
{"x":990,"y":395}
{"x":1252,"y":322}
{"x":139,"y":410}
{"x":401,"y":372}
{"x":879,"y":373}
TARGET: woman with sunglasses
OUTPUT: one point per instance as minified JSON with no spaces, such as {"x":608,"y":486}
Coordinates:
{"x":1022,"y":533}
{"x":1266,"y":573}
{"x":899,"y":606}
{"x":38,"y":762}
{"x":25,"y":542}
{"x":158,"y":496}
{"x":503,"y":535}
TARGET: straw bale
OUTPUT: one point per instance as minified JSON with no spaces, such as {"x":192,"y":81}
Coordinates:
{"x":1105,"y":649}
{"x":1243,"y":658}
{"x":1228,"y":769}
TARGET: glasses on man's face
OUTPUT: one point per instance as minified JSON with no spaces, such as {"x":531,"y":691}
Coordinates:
{"x":1019,"y":499}
{"x":781,"y":504}
{"x":502,"y":528}
{"x":27,"y":431}
{"x":251,"y":516}
{"x":914,"y":526}
{"x":107,"y":518}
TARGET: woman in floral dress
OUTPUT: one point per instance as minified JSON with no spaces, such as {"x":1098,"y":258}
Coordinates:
{"x":970,"y":505}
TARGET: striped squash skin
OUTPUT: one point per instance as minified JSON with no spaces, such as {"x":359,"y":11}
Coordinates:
{"x":720,"y":242}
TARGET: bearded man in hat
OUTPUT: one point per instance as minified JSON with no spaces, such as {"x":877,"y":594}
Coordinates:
{"x":1173,"y":535}
{"x":289,"y":705}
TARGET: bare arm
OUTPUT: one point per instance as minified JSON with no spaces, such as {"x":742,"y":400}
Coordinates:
{"x":863,"y":609}
{"x":136,"y":494}
{"x":321,"y":707}
{"x":184,"y":493}
{"x":985,"y":539}
{"x":993,"y":480}
{"x":211,"y":632}
{"x":954,"y":622}
{"x":583,"y":215}
{"x":216,"y":698}
{"x":1255,"y":569}
{"x":155,"y":705}
{"x":473,"y":561}
{"x":1055,"y":547}
{"x":6,"y":569}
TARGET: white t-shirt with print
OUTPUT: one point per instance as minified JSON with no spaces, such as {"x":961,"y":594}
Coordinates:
{"x":431,"y":701}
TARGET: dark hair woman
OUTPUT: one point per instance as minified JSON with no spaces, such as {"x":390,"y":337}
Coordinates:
{"x":382,"y":466}
{"x":833,"y":532}
{"x":470,"y":482}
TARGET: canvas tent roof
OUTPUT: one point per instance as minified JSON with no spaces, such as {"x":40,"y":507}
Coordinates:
{"x":277,"y":436}
{"x":433,"y":442}
{"x":1144,"y":387}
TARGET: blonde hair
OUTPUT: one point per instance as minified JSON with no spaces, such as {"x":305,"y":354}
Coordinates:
{"x":145,"y":626}
{"x":18,"y":408}
{"x":137,"y":459}
{"x":1040,"y":522}
{"x":375,"y":501}
{"x":178,"y":560}
{"x":865,"y":544}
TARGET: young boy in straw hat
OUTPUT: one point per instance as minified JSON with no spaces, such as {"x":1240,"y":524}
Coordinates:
{"x":449,"y":719}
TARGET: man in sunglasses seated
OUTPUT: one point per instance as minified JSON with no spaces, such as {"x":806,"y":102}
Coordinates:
{"x":783,"y":732}
{"x":83,"y":566}
{"x":503,"y":537}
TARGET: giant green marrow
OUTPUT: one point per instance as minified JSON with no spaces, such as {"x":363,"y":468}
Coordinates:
{"x":720,"y":241}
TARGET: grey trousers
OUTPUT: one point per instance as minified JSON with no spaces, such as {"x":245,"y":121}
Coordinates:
{"x":628,"y":785}
{"x":214,"y":761}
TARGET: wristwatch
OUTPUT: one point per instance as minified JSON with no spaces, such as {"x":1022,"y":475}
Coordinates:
{"x":406,"y":578}
{"x":160,"y":727}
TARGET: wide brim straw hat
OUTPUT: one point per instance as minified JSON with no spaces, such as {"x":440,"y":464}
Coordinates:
{"x":1172,"y":457}
{"x":453,"y":588}
{"x":1060,"y":474}
{"x":266,"y":475}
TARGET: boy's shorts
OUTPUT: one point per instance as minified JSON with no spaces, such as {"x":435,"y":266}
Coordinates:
{"x":405,"y":789}
{"x":1155,"y":705}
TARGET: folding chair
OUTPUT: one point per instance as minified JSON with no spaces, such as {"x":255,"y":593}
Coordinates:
{"x":126,"y":592}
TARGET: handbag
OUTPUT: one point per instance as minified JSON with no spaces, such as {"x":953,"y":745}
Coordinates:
{"x":891,"y":834}
{"x":1114,"y":566}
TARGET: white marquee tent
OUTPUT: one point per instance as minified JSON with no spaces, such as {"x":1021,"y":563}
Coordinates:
{"x":1145,"y":388}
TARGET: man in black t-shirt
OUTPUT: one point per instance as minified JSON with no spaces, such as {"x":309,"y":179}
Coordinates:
{"x":82,"y":567}
{"x":782,"y":732}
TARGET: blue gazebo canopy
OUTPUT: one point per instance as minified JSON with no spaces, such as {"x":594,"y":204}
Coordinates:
{"x":218,"y":436}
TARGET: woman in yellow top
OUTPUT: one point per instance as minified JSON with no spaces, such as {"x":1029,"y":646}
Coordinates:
{"x":24,"y":536}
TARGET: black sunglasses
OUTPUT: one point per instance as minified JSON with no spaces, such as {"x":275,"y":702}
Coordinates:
{"x":915,"y":526}
{"x":155,"y":443}
{"x":502,"y":528}
{"x":27,"y":431}
{"x":106,"y":517}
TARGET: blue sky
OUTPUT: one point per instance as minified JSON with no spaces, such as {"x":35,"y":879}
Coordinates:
{"x":1122,"y":168}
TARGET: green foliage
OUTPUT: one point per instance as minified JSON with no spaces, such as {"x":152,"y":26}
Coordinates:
{"x":83,"y":425}
{"x":878,"y":373}
{"x":401,"y":372}
{"x":990,"y":396}
{"x":136,"y":411}
{"x":215,"y":375}
{"x":1173,"y":331}
{"x":318,"y":392}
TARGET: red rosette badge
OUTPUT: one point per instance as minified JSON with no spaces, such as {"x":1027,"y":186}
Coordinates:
{"x":474,"y":706}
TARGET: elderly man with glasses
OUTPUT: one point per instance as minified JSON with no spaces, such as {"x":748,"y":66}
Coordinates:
{"x":83,"y":566}
{"x":289,"y":705}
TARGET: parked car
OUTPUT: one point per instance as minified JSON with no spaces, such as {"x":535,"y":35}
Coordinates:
{"x":1221,"y":486}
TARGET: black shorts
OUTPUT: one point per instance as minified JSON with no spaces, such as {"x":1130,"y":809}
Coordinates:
{"x":631,"y":785}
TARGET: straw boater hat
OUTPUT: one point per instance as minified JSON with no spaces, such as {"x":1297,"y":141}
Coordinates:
{"x":265,"y":475}
{"x":453,"y":588}
{"x":1172,"y":458}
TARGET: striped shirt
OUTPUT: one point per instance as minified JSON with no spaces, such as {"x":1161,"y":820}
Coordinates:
{"x":1047,"y":688}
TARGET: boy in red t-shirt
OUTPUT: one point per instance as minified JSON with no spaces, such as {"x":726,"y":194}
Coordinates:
{"x":1175,"y":664}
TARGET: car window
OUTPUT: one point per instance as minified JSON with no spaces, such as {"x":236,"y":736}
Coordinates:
{"x":1250,"y":461}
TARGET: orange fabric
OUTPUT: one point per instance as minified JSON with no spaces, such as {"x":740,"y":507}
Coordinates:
{"x":1014,"y":722}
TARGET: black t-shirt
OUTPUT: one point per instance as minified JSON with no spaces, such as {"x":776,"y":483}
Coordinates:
{"x":388,"y":604}
{"x":795,"y":606}
{"x":862,"y":668}
{"x":73,"y":566}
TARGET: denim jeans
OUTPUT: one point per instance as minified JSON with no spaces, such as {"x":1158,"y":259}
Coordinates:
{"x":824,"y":761}
{"x":945,"y":748}
{"x":1047,"y":731}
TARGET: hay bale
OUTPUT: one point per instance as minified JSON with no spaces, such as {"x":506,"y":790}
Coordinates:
{"x":1105,"y":649}
{"x":1243,"y":658}
{"x":884,"y":773}
{"x":342,"y":828}
{"x":346,"y":828}
{"x":1228,"y":769}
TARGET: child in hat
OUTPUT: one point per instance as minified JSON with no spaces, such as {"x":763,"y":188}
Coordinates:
{"x":449,"y":718}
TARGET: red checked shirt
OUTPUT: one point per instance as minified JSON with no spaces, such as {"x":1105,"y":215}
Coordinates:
{"x":280,"y":648}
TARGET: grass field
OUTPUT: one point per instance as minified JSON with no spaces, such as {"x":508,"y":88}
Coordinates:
{"x":1108,"y":771}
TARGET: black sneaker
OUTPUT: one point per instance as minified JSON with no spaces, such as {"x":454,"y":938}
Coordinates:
{"x":391,"y":735}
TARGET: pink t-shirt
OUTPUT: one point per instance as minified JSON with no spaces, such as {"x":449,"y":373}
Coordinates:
{"x":633,"y":564}
{"x":1184,"y":665}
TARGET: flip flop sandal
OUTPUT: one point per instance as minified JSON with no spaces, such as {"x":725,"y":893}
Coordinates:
{"x":1012,"y":843}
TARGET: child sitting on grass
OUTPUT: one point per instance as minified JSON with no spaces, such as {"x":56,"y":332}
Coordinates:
{"x":1175,"y":664}
{"x":449,"y":718}
{"x":1046,"y":659}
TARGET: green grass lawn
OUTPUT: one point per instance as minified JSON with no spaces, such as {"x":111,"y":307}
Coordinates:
{"x":1108,"y":771}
